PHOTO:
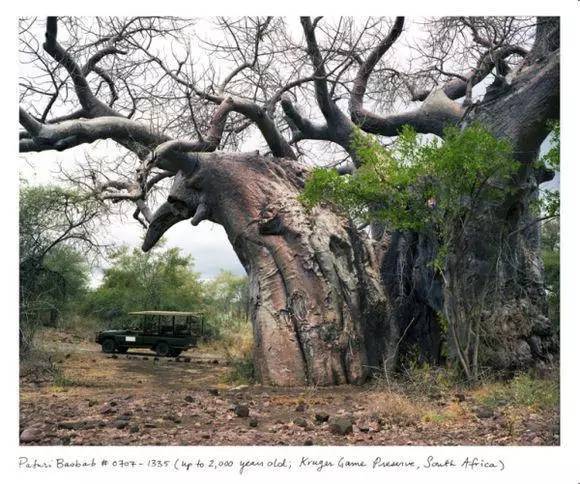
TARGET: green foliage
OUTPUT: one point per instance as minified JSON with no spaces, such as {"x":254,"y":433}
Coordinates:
{"x":442,"y":188}
{"x":551,"y":259}
{"x":552,"y":158}
{"x":56,"y":229}
{"x":550,"y":210}
{"x":226,"y":300}
{"x":227,"y":318}
{"x":166,"y":280}
{"x":51,"y":215}
{"x":157,"y":280}
{"x":73,"y":268}
{"x":426,"y":379}
{"x":242,"y":369}
{"x":524,"y":389}
{"x":227,"y":294}
{"x":422,"y":186}
{"x":550,"y":199}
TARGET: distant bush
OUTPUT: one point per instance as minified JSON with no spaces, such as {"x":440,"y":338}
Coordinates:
{"x":136,"y":281}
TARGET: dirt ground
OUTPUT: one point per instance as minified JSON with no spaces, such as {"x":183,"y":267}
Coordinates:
{"x":137,"y":399}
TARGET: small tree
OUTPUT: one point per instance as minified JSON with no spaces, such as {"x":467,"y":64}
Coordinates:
{"x":56,"y":230}
{"x":158,"y":280}
{"x":227,"y":299}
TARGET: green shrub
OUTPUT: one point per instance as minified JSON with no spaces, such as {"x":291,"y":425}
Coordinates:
{"x":522,"y":390}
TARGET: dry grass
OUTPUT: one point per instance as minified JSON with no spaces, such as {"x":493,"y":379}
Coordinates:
{"x":396,"y":408}
{"x":236,"y":343}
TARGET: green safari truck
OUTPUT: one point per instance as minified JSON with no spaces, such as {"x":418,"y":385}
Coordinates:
{"x":168,"y":333}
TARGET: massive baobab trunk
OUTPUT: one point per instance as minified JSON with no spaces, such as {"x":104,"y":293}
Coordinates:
{"x":516,"y":328}
{"x":495,"y":273}
{"x":318,"y":310}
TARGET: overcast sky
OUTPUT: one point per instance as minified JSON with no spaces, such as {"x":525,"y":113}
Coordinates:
{"x":207,"y":243}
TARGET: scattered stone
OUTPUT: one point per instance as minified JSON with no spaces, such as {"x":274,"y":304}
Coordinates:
{"x":189,"y":399}
{"x":72,"y":425}
{"x":150,"y":425}
{"x":301,"y":407}
{"x":172,"y":418}
{"x":242,"y":410}
{"x":187,"y":359}
{"x":134,"y":429}
{"x":30,"y":435}
{"x":253,"y":422}
{"x":120,"y":424}
{"x":308,"y":442}
{"x":483,"y":412}
{"x":321,"y":417}
{"x":145,"y":358}
{"x":214,"y":392}
{"x":113,"y":403}
{"x":460,"y":397}
{"x":92,"y":403}
{"x":341,"y":426}
{"x":67,"y":356}
{"x":215,"y":362}
{"x":107,"y":409}
{"x":301,"y":422}
{"x":364,"y":428}
{"x":205,"y":436}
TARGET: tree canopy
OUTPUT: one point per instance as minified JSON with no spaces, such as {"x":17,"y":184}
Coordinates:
{"x":159,"y":280}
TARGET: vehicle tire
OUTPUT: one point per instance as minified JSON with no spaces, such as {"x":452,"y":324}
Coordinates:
{"x":108,"y":346}
{"x":162,"y":349}
{"x":174,"y":352}
{"x":122,"y":349}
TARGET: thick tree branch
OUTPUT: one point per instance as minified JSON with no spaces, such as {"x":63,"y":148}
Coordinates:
{"x":458,"y":86}
{"x":338,"y":126}
{"x":58,"y":53}
{"x":325,"y":103}
{"x":306,"y":128}
{"x":437,"y":111}
{"x":366,"y":68}
{"x":276,"y":142}
{"x":67,"y":134}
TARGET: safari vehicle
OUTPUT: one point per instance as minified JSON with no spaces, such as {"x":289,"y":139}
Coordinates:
{"x":168,"y":333}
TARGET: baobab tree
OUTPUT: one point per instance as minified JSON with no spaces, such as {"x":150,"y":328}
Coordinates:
{"x":330,"y":300}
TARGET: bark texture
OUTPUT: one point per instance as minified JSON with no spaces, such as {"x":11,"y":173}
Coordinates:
{"x":494,"y":287}
{"x":319,"y":313}
{"x":517,"y":331}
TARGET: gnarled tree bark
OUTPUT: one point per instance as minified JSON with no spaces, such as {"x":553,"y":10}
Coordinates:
{"x":319,"y":313}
